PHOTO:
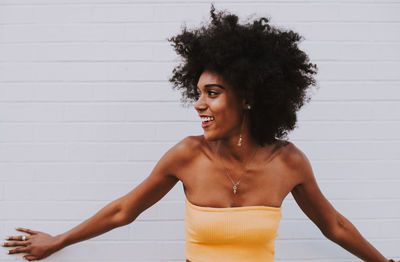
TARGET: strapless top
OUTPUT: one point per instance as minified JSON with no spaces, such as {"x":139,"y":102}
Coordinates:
{"x":245,"y":234}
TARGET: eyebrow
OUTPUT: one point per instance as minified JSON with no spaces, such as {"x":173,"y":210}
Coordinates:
{"x":211,"y":85}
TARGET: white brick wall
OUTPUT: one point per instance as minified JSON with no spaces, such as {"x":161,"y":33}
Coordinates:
{"x":86,"y":111}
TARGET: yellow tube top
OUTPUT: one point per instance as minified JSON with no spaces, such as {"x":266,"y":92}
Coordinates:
{"x":233,"y":234}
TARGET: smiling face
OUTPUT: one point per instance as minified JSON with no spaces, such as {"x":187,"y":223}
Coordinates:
{"x":220,"y":109}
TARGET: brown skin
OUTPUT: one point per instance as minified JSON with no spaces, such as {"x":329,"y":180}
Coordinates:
{"x":274,"y":172}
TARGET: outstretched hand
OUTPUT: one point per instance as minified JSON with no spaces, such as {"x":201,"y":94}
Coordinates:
{"x":37,"y":245}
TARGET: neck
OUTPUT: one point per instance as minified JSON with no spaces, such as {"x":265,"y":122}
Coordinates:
{"x":228,"y":148}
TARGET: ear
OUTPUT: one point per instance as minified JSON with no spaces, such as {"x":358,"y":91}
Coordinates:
{"x":245,"y":105}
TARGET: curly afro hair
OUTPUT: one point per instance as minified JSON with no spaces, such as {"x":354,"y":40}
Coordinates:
{"x":263,"y":64}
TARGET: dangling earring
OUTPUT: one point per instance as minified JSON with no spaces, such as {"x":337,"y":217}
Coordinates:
{"x":239,"y":143}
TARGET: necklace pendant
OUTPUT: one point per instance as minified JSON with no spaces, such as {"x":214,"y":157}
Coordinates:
{"x":234,"y":189}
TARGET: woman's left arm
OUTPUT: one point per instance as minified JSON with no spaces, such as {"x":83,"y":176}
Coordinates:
{"x":331,"y":223}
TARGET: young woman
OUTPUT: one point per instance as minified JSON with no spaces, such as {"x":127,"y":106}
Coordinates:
{"x":247,"y":82}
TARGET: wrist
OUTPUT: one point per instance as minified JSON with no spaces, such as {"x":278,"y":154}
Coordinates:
{"x":59,"y":242}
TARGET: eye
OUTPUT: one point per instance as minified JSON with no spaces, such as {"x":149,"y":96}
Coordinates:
{"x":212,"y":93}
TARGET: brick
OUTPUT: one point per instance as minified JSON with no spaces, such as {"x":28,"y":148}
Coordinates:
{"x":314,"y":250}
{"x":352,"y":209}
{"x":356,"y":91}
{"x":35,"y":192}
{"x":322,"y":11}
{"x":360,"y":31}
{"x":58,"y":227}
{"x":16,"y":132}
{"x":354,"y":150}
{"x":29,"y":112}
{"x":346,"y":130}
{"x":87,"y":92}
{"x":350,"y":110}
{"x":310,"y":250}
{"x":107,"y":251}
{"x":356,"y":169}
{"x":389,"y":71}
{"x":351,"y":51}
{"x":75,"y":171}
{"x":135,"y":111}
{"x":97,"y":152}
{"x":32,"y":152}
{"x":305,"y":229}
{"x":86,"y":71}
{"x":93,"y":52}
{"x":356,"y":190}
{"x":95,"y":32}
{"x":2,"y":195}
{"x":61,"y":210}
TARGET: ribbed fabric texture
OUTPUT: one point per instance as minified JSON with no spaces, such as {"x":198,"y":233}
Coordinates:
{"x":231,"y":234}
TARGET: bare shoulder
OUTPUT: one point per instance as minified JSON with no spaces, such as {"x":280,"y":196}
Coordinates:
{"x":295,"y":161}
{"x":182,"y":153}
{"x":292,"y":155}
{"x":187,"y":147}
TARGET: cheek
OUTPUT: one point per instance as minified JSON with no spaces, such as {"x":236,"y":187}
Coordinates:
{"x":225,"y":111}
{"x":228,"y":117}
{"x":216,"y":107}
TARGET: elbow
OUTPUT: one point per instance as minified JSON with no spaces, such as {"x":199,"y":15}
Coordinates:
{"x":333,"y":233}
{"x":121,"y":219}
{"x":337,"y":229}
{"x":123,"y":216}
{"x":116,"y":215}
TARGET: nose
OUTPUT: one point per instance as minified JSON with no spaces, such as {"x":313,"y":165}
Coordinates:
{"x":200,"y":104}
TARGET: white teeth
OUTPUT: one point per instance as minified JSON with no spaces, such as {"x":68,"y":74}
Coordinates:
{"x":205,"y":119}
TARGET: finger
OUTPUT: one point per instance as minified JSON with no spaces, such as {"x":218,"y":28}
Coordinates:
{"x":29,"y":257}
{"x":18,"y":250}
{"x":15,"y":244}
{"x":26,"y":230}
{"x":17,"y":238}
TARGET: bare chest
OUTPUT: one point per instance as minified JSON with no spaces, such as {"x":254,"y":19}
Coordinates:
{"x":208,"y":183}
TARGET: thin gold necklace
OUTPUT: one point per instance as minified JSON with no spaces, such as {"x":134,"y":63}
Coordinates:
{"x":235,"y":185}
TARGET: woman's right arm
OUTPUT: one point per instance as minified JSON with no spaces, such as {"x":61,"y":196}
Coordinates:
{"x":118,"y":213}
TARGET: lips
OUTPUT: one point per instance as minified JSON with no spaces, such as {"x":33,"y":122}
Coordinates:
{"x":206,"y":120}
